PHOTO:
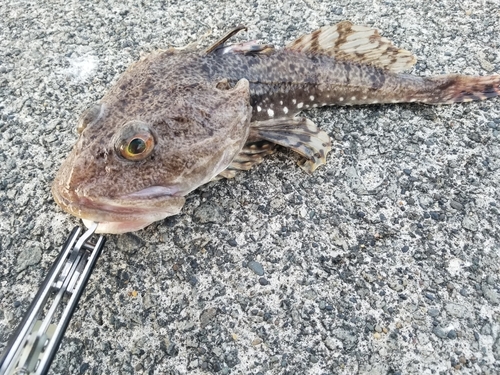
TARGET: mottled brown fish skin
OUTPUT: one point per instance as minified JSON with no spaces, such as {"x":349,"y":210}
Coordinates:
{"x":198,"y":130}
{"x":203,"y":115}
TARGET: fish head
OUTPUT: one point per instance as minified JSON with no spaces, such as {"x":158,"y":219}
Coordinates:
{"x":137,"y":156}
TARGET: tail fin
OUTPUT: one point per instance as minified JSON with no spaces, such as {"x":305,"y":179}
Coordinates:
{"x":449,"y":89}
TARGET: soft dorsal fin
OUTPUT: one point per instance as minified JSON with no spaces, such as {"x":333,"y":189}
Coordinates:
{"x":348,"y":42}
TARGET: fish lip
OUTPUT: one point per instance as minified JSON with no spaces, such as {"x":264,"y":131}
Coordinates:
{"x":150,"y":204}
{"x":152,"y":192}
{"x":114,"y":227}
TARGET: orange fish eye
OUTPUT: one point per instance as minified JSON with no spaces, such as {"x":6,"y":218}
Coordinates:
{"x":137,"y":147}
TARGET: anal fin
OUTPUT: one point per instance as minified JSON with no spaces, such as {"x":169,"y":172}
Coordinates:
{"x":299,"y":134}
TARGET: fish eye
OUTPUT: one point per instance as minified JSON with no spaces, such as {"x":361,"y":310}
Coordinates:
{"x":138,"y":147}
{"x":136,"y":142}
{"x":90,"y":115}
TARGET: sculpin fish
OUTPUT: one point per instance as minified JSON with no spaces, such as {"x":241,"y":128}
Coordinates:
{"x":180,"y":118}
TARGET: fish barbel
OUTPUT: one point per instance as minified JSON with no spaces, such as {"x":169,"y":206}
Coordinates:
{"x":180,"y":118}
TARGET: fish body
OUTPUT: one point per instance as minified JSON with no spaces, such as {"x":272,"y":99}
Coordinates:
{"x":179,"y":118}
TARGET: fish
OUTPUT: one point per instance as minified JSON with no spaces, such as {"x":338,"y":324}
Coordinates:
{"x":179,"y":118}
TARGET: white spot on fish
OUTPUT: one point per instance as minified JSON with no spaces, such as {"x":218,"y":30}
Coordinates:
{"x":341,"y":99}
{"x":307,"y":105}
{"x":294,"y":101}
{"x":328,"y":96}
{"x":353,"y":98}
{"x":311,"y":97}
{"x":413,"y":100}
{"x":281,"y":102}
{"x":323,"y":104}
{"x":259,"y":109}
{"x":270,"y":112}
{"x":375,"y":102}
{"x":394,"y":100}
{"x":285,"y":110}
{"x":365,"y":97}
{"x":300,"y":105}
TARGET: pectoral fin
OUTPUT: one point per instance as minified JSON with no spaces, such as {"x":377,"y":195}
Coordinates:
{"x":298,"y":133}
{"x":253,"y":153}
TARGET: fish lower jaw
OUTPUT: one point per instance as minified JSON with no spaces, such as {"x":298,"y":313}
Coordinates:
{"x":125,"y":219}
{"x":118,"y":227}
{"x":122,"y":215}
{"x":117,"y":219}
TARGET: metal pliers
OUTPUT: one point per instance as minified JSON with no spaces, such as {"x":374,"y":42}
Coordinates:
{"x":34,"y":343}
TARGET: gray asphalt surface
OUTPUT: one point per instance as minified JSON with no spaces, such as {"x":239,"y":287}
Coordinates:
{"x":385,"y":261}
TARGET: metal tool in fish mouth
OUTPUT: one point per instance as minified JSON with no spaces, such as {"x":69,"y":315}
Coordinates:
{"x":34,"y":343}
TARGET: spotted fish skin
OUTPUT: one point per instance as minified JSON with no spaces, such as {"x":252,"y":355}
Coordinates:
{"x":288,"y":82}
{"x":178,"y":119}
{"x":344,"y":64}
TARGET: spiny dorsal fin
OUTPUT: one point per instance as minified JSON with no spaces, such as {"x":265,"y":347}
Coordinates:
{"x":251,"y":48}
{"x":225,"y":38}
{"x":348,"y":42}
{"x":245,"y":48}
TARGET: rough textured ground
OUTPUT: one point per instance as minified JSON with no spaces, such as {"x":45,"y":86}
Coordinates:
{"x":386,"y":261}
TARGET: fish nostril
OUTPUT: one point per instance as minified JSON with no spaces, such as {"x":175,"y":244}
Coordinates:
{"x":89,"y":116}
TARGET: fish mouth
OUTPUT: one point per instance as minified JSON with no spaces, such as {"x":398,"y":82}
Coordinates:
{"x":127,"y":213}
